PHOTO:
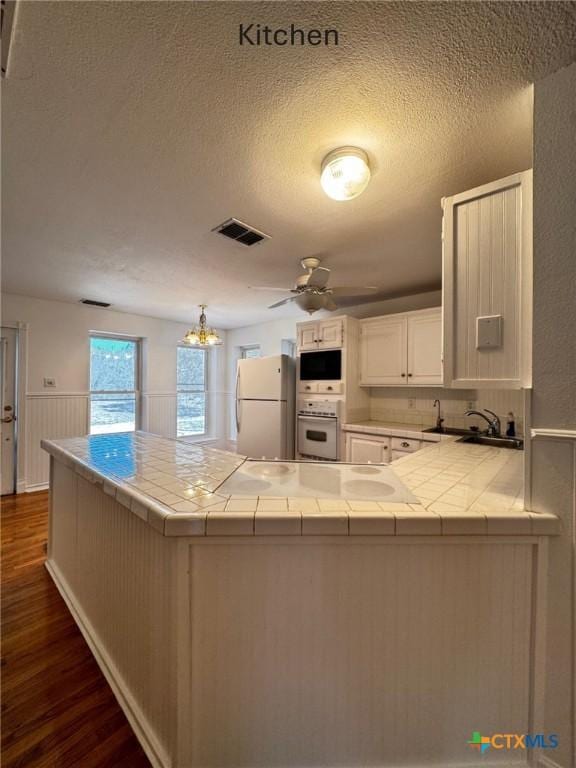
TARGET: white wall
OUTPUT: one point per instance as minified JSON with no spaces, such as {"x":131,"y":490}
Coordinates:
{"x":553,"y":461}
{"x":58,"y":347}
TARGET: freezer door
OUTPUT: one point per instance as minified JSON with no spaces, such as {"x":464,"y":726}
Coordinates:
{"x":262,"y":378}
{"x":262,"y":429}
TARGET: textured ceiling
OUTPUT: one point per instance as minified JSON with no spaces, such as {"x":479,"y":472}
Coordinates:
{"x":131,"y":129}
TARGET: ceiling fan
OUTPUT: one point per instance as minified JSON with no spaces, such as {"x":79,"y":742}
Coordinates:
{"x":311,"y":290}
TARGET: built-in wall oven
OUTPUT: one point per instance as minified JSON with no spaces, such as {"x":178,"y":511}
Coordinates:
{"x":318,"y":430}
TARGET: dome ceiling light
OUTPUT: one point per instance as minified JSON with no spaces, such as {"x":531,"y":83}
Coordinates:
{"x":345,"y":173}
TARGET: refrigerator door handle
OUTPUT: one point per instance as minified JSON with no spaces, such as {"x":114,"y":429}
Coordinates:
{"x":236,"y":396}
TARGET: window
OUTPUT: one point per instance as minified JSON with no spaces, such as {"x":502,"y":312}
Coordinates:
{"x":249,"y":352}
{"x":114,"y":384}
{"x":191,"y":391}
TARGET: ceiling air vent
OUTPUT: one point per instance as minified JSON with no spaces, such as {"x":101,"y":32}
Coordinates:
{"x":241,"y":233}
{"x":94,"y":303}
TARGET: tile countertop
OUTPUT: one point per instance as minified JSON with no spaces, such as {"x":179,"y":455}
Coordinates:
{"x":173,"y":485}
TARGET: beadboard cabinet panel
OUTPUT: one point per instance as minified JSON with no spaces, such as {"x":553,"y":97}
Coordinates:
{"x":488,"y":273}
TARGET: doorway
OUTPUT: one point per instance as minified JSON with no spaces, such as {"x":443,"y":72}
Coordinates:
{"x":8,"y":400}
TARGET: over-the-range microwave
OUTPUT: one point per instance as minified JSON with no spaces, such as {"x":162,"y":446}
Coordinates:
{"x":322,"y":365}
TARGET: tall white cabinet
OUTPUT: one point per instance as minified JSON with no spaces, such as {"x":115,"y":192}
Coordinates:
{"x":487,"y":285}
{"x":403,"y":349}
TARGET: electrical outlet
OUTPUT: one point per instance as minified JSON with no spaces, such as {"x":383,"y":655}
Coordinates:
{"x":49,"y":381}
{"x":411,"y":403}
{"x":470,"y":405}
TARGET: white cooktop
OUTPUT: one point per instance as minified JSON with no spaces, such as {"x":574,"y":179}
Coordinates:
{"x":323,"y":480}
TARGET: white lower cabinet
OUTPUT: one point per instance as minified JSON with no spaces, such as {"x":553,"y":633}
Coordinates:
{"x":364,"y":448}
{"x":367,"y":449}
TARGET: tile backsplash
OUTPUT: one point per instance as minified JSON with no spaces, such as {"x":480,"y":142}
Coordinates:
{"x":415,"y":406}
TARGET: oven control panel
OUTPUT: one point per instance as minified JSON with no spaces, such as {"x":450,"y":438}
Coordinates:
{"x":318,"y":408}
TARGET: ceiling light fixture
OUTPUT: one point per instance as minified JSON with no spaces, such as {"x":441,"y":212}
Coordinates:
{"x":201,"y":335}
{"x":345,"y":173}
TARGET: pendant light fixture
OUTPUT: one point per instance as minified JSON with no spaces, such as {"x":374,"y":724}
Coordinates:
{"x":201,"y":335}
{"x":345,"y":173}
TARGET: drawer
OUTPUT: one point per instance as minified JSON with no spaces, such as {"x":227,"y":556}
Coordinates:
{"x":330,"y":387}
{"x":405,"y":444}
{"x":308,"y":386}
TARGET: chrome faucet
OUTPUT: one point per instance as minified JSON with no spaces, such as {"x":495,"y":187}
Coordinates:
{"x":439,"y":419}
{"x":494,"y":425}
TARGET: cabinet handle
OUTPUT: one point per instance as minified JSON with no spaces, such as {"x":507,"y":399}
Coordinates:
{"x":409,"y":374}
{"x":405,"y":445}
{"x":329,"y":389}
{"x":403,"y":374}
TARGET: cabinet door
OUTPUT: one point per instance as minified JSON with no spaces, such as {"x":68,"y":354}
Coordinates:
{"x":425,"y":348}
{"x":307,"y":337}
{"x":330,"y":334}
{"x":383,"y":352}
{"x":487,"y":275}
{"x":363,"y":449}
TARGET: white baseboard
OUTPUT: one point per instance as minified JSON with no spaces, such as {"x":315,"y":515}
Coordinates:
{"x":138,"y":722}
{"x":36,"y":487}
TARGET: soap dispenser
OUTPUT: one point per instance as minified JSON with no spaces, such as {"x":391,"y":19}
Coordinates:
{"x":510,"y":425}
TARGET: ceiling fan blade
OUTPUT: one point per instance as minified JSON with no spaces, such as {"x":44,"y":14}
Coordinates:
{"x":350,"y":291}
{"x":282,"y":301}
{"x":318,"y":277}
{"x":268,"y":288}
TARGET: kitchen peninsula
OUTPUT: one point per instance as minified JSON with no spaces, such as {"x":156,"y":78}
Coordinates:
{"x":241,"y":629}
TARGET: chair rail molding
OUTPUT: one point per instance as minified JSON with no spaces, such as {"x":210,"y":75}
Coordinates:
{"x":553,"y":434}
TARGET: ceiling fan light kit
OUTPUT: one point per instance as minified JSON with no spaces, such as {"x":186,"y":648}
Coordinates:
{"x":345,"y":173}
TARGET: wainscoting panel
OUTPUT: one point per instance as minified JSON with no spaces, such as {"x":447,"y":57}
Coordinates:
{"x":51,"y":416}
{"x":159,"y":413}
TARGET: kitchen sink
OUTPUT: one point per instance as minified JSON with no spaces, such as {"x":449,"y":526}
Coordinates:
{"x":449,"y":431}
{"x":496,"y":442}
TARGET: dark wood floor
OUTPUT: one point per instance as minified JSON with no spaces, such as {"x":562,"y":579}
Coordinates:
{"x":57,"y":708}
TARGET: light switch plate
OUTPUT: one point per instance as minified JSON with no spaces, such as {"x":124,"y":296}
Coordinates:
{"x":489,"y":332}
{"x":49,"y":381}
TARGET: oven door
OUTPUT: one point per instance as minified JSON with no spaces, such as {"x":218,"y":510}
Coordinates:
{"x":318,"y":436}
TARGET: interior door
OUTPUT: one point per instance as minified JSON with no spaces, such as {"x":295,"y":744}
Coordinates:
{"x":8,"y":408}
{"x":383,"y":345}
{"x":425,"y":348}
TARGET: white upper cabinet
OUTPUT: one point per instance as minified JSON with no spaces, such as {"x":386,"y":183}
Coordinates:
{"x":383,"y":344}
{"x":487,"y":285}
{"x":330,"y":334}
{"x":425,"y":348}
{"x":404,"y":349}
{"x":307,"y":336}
{"x":323,"y":334}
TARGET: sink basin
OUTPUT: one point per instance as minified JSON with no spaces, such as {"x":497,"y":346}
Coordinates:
{"x":449,"y":431}
{"x":496,"y":442}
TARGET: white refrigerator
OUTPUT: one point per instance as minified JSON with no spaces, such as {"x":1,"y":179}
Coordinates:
{"x":265,"y":401}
